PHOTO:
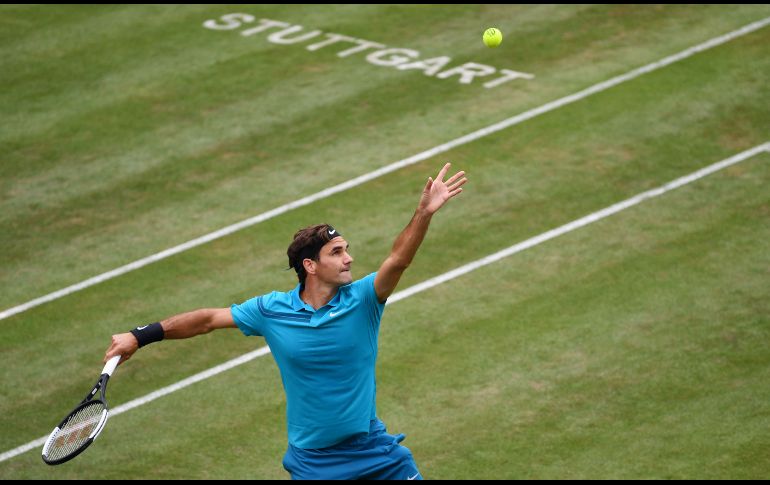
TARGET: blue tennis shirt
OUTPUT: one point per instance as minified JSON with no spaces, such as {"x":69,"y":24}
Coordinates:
{"x":326,"y":358}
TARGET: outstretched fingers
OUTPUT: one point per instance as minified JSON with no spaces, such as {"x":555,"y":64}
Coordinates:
{"x":455,"y":186}
{"x":455,"y":182}
{"x":455,"y":177}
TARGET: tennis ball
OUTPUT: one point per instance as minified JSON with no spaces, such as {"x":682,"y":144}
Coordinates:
{"x":492,"y":37}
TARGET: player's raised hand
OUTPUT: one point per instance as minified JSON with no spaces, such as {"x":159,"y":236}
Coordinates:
{"x":437,"y":192}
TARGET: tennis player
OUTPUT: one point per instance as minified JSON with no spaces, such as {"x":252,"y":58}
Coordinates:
{"x":323,"y":336}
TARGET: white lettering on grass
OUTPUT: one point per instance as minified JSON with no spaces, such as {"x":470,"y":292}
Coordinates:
{"x":362,"y":46}
{"x":428,"y":66}
{"x":332,"y":39}
{"x":467,"y":72}
{"x":508,"y":75}
{"x":280,"y":37}
{"x":393,"y":59}
{"x":231,"y":21}
{"x":264,"y":25}
{"x":377,"y":54}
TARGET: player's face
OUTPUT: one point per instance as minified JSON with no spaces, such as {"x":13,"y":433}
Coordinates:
{"x":334,"y":262}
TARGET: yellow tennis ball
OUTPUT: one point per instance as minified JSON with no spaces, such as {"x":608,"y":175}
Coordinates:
{"x":492,"y":37}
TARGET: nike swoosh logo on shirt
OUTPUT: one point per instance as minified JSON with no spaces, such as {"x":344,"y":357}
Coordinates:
{"x":334,"y":314}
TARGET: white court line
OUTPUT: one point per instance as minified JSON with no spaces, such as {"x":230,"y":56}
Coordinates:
{"x":450,"y":275}
{"x":527,"y":115}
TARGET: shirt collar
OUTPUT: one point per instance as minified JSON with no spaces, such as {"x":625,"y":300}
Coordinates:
{"x":297,"y":304}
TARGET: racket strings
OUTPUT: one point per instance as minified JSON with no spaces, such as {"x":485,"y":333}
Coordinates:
{"x":76,"y":431}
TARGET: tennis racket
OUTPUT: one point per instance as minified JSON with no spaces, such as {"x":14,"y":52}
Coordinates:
{"x":81,"y":427}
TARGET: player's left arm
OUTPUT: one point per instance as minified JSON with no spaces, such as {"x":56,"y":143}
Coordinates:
{"x":435,"y":194}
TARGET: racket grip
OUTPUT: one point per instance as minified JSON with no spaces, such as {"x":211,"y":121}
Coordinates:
{"x":110,"y":366}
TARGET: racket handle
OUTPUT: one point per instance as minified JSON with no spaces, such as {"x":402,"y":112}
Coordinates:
{"x":110,"y":366}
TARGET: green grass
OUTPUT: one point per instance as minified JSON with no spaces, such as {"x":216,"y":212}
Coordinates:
{"x":631,"y":348}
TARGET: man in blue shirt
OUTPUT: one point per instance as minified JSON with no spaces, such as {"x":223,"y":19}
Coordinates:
{"x":323,"y":336}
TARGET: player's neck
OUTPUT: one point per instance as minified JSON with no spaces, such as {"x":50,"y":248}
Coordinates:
{"x":316,"y":294}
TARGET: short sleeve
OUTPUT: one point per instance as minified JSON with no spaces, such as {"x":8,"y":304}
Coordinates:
{"x":248,"y":317}
{"x":365,"y":289}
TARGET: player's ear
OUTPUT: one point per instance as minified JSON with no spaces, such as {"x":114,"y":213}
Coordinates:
{"x":310,"y":265}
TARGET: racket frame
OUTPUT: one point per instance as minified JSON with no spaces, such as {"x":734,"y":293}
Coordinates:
{"x":101,"y":385}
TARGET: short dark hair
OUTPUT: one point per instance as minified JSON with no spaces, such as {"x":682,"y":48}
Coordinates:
{"x":307,"y":243}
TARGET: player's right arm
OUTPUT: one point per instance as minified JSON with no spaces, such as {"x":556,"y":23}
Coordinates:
{"x":435,"y":194}
{"x":184,"y":325}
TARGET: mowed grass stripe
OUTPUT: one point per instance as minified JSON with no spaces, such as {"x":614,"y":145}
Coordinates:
{"x":387,"y":169}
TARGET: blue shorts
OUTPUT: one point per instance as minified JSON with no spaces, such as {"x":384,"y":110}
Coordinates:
{"x":376,"y":455}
